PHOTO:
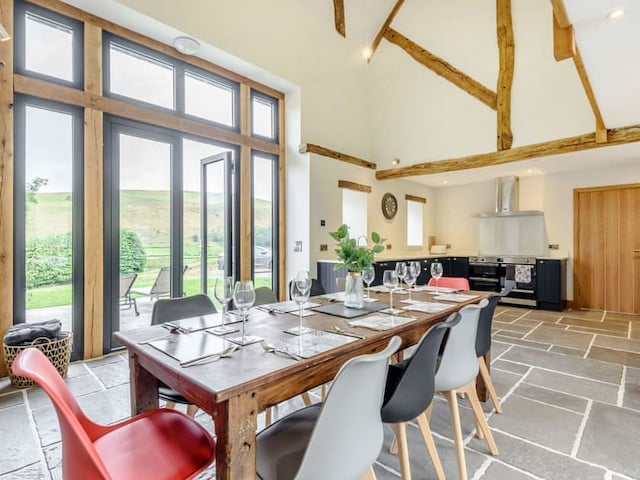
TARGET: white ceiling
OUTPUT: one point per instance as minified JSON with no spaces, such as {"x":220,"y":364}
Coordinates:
{"x":610,"y":49}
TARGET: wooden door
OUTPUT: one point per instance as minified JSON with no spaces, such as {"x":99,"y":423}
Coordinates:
{"x":607,"y":248}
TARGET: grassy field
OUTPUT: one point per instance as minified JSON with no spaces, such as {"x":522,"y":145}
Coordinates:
{"x":147,"y":214}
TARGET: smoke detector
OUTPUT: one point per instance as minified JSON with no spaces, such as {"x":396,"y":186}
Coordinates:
{"x":186,"y":45}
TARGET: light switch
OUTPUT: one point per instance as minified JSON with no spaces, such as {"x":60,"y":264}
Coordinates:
{"x":297,"y":246}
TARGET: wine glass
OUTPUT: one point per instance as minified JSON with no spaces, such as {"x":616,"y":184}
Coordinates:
{"x":436,"y":272}
{"x":418,"y":267}
{"x":390,"y":280}
{"x":244,"y":296}
{"x":300,"y":290}
{"x":223,"y":291}
{"x":368,"y":275}
{"x":401,"y":269}
{"x":410,"y":276}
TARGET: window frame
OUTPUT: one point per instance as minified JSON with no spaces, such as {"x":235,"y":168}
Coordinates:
{"x":77,"y":212}
{"x":255,"y":94}
{"x":421,"y":205}
{"x":21,"y":8}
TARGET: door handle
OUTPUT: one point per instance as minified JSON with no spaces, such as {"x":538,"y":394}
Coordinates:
{"x":636,"y":251}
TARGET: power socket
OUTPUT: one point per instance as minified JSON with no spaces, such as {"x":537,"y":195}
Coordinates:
{"x":324,"y":247}
{"x":388,"y":246}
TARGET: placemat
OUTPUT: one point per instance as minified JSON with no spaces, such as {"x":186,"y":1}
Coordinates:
{"x":339,"y":310}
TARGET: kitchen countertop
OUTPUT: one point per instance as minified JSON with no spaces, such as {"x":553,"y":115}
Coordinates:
{"x":405,"y":256}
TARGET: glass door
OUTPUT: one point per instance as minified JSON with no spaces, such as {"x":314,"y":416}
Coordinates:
{"x":141,"y":254}
{"x":217,"y":195}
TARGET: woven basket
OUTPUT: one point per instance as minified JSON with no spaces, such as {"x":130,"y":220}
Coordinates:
{"x":57,"y":351}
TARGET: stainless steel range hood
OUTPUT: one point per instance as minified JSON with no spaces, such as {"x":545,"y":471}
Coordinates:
{"x":507,"y":200}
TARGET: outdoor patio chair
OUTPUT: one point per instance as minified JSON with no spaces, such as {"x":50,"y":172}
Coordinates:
{"x":161,"y":286}
{"x":126,"y":300}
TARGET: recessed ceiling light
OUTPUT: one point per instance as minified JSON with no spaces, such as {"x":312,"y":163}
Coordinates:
{"x":444,"y":182}
{"x":186,"y":45}
{"x":615,"y":14}
{"x":366,"y":53}
{"x":395,"y":161}
{"x":530,"y":170}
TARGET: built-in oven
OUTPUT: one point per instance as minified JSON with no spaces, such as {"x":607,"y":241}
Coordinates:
{"x":519,"y":274}
{"x":484,"y":274}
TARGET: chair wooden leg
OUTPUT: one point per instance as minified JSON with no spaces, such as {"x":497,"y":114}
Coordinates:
{"x":306,"y":399}
{"x":479,"y":414}
{"x":403,"y":447}
{"x":457,"y":432}
{"x":369,"y":475}
{"x":393,"y":449}
{"x":323,"y":391}
{"x":427,"y":412}
{"x":192,"y":410}
{"x":479,"y":432}
{"x":423,"y":423}
{"x":484,"y":371}
{"x":170,"y":405}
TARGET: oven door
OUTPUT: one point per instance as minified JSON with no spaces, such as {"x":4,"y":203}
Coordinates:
{"x":484,"y":284}
{"x":484,"y":277}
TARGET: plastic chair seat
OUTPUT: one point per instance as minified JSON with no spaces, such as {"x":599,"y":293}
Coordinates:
{"x":281,"y":446}
{"x":152,"y":436}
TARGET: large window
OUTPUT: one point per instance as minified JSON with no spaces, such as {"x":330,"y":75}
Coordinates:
{"x":264,"y":115}
{"x":415,"y":217}
{"x":265,"y":219}
{"x":48,"y":215}
{"x":354,"y":212}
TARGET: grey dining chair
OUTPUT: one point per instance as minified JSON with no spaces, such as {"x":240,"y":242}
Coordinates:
{"x":483,"y":343}
{"x":166,"y":310}
{"x":409,"y":393}
{"x":457,"y":374}
{"x":339,"y":439}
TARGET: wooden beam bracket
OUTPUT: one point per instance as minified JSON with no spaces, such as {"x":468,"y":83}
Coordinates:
{"x":358,"y":187}
{"x":343,"y":157}
{"x":415,"y":198}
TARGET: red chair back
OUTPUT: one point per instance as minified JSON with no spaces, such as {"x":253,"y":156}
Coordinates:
{"x":81,"y":461}
{"x":460,"y":283}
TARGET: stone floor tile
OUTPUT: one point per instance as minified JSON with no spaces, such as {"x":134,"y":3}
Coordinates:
{"x":563,"y":338}
{"x":580,"y":387}
{"x":441,"y":418}
{"x":633,"y":375}
{"x":11,"y":399}
{"x":617,"y":343}
{"x":510,"y":367}
{"x":20,"y":446}
{"x":106,"y":360}
{"x":76,"y":369}
{"x":500,"y":471}
{"x":113,"y":374}
{"x":109,"y":406}
{"x":508,"y":333}
{"x":47,"y":425}
{"x":498,"y":349}
{"x":611,"y":438}
{"x":553,"y":397}
{"x":513,"y":327}
{"x":5,"y":386}
{"x":631,"y":396}
{"x":586,"y":368}
{"x":614,"y":356}
{"x":568,"y":351}
{"x":539,"y":461}
{"x":80,"y":385}
{"x":635,"y":330}
{"x":32,"y":472}
{"x":537,"y":422}
{"x":621,"y":316}
{"x":597,"y":331}
{"x":586,"y":314}
{"x":619,"y":327}
{"x":504,"y":381}
{"x":421,"y":466}
{"x":527,"y":322}
{"x":516,"y":341}
{"x":53,"y":456}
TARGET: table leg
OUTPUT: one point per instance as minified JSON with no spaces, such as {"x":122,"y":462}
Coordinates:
{"x":143,"y":389}
{"x":236,"y":422}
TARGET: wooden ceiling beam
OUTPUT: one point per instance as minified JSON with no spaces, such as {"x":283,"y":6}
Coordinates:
{"x":442,"y":68}
{"x":343,"y":157}
{"x":616,"y":136}
{"x":338,"y":17}
{"x":383,"y":29}
{"x":506,"y":47}
{"x":564,"y":46}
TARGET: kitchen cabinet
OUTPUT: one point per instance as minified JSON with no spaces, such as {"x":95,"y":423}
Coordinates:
{"x":380,"y":267}
{"x":551,"y":285}
{"x":451,"y":267}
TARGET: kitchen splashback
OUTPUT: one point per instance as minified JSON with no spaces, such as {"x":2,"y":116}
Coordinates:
{"x":513,"y":236}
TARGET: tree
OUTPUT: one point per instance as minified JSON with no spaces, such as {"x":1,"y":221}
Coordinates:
{"x":133,"y":258}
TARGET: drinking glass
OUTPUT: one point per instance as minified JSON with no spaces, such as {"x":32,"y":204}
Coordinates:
{"x":390,"y":280}
{"x":401,"y":269}
{"x":418,"y":267}
{"x":410,"y":276}
{"x":368,"y":275}
{"x":436,"y":272}
{"x":300,"y":291}
{"x":244,"y":296}
{"x":223,"y":291}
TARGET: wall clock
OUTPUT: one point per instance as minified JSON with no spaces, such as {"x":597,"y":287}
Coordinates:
{"x":389,"y":205}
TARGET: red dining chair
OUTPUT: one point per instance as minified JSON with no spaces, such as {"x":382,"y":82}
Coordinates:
{"x":159,"y":444}
{"x":459,"y":283}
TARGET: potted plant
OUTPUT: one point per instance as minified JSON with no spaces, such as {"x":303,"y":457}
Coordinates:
{"x":355,"y":258}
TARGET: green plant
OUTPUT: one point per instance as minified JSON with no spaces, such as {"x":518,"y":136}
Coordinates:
{"x":354,"y":257}
{"x":133,"y":258}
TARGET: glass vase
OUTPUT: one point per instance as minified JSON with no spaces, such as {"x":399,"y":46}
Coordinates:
{"x":354,"y":290}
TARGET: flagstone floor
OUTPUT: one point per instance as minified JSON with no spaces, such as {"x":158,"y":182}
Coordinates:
{"x":569,"y":384}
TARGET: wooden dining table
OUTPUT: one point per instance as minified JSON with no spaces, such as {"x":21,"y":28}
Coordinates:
{"x":234,"y":390}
